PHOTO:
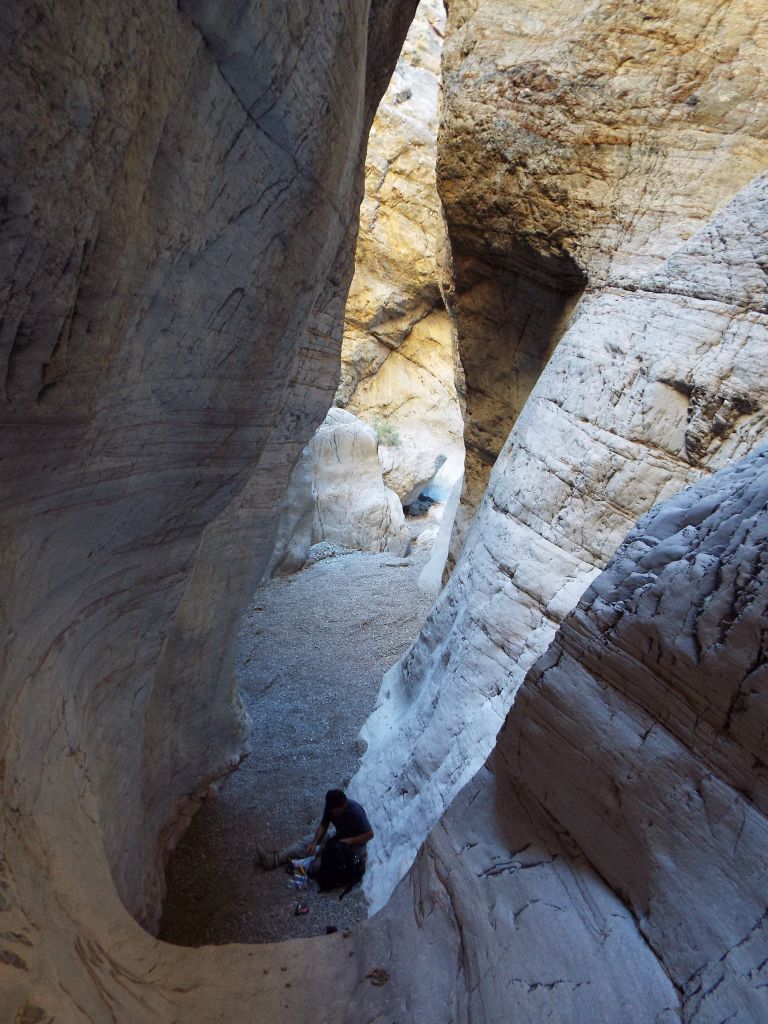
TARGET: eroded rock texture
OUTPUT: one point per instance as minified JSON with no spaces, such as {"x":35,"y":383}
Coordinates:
{"x":180,"y":193}
{"x":579,"y":146}
{"x":608,"y":863}
{"x":397,"y":365}
{"x":649,"y":388}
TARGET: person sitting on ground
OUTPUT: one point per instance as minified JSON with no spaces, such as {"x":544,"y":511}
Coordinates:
{"x":351,"y":826}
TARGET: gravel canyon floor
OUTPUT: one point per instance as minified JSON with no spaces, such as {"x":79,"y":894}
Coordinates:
{"x":311,"y":653}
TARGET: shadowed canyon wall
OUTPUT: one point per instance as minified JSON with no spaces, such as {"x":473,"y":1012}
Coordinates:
{"x":179,"y":216}
{"x":180,"y":196}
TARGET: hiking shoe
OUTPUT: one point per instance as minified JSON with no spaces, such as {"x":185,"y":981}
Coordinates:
{"x":267,"y":859}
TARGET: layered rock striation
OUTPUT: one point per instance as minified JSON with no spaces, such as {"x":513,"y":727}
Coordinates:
{"x":648,"y":389}
{"x":180,"y":193}
{"x":608,"y":862}
{"x":179,"y":207}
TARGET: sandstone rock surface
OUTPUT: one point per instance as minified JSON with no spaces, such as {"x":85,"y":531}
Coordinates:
{"x":605,"y":864}
{"x":179,"y":217}
{"x":398,"y":367}
{"x":649,"y":388}
{"x":609,"y":861}
{"x":337,"y":497}
{"x":579,"y":147}
{"x":180,"y":191}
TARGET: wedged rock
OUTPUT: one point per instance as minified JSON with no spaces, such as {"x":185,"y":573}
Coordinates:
{"x":578,"y":147}
{"x":337,"y":496}
{"x":414,"y":396}
{"x":408,"y":468}
{"x":352,"y":506}
{"x":648,"y":389}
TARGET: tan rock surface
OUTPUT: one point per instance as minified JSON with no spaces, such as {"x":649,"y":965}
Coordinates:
{"x":181,"y":181}
{"x":579,"y":146}
{"x":398,"y":354}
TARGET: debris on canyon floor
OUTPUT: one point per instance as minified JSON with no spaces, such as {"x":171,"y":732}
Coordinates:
{"x":311,"y":653}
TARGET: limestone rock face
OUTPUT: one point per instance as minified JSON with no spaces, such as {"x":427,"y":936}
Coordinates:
{"x":180,"y":192}
{"x":648,"y":389}
{"x":398,"y":368}
{"x":579,"y":147}
{"x":395,"y":283}
{"x":607,"y":863}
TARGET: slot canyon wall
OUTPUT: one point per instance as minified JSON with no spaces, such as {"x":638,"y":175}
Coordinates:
{"x":178,"y":230}
{"x":397,"y":360}
{"x":579,"y":148}
{"x":180,"y":190}
{"x":398,"y":368}
{"x":598,"y":142}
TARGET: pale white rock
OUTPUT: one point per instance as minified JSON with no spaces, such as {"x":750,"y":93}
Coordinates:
{"x":408,"y":467}
{"x":181,"y":185}
{"x":352,"y":506}
{"x":648,"y":389}
{"x":431,"y":576}
{"x":427,"y":537}
{"x":609,"y":861}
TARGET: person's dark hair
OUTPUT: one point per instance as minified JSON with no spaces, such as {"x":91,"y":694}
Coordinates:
{"x":335,"y":798}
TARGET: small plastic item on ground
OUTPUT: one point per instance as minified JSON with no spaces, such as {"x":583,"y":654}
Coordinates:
{"x":301,"y":908}
{"x":298,"y":882}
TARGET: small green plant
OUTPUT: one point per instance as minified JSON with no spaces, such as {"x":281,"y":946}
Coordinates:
{"x":385,"y":431}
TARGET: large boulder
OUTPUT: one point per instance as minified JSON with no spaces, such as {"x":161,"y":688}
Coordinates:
{"x":352,"y":506}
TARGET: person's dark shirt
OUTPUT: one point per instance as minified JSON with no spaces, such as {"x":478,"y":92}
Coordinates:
{"x":353,"y":821}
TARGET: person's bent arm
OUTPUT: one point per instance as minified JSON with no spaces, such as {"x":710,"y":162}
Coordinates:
{"x":320,"y":831}
{"x":361,"y":840}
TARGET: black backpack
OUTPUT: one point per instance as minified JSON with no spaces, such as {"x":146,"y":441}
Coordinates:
{"x":340,"y":865}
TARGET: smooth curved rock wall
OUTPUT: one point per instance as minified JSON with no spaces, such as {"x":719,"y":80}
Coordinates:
{"x":648,"y":389}
{"x":606,"y":863}
{"x":181,"y":189}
